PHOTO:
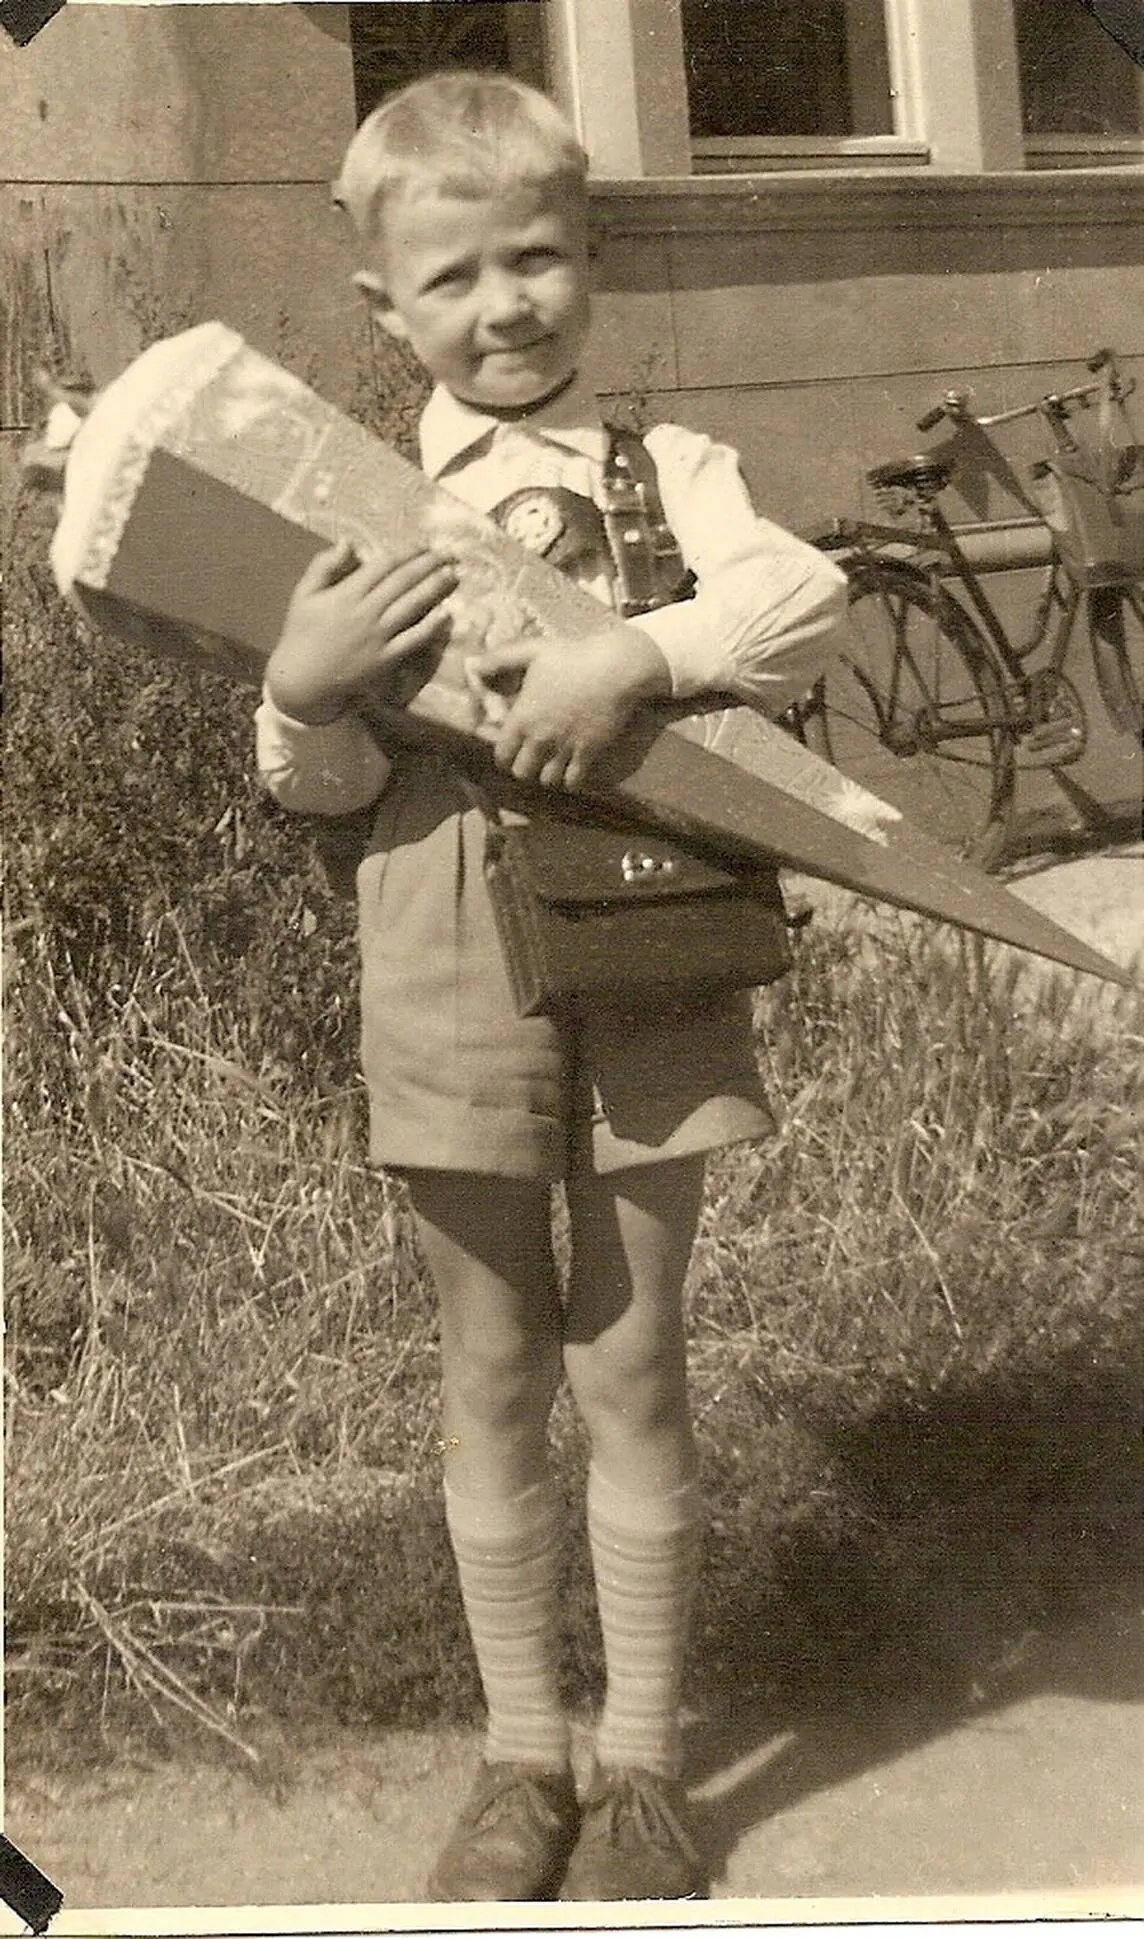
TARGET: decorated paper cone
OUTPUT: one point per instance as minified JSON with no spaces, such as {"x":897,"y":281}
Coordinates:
{"x":206,"y":478}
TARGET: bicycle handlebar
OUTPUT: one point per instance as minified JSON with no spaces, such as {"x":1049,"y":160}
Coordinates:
{"x":1055,"y":404}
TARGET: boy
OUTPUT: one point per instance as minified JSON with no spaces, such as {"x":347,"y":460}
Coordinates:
{"x":468,"y":197}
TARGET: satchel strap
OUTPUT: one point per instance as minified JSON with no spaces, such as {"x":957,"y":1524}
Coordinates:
{"x":650,"y":568}
{"x":627,"y":524}
{"x":477,"y":797}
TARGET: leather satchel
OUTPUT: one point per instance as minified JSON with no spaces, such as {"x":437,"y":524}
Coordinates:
{"x":589,"y":913}
{"x":597,"y":914}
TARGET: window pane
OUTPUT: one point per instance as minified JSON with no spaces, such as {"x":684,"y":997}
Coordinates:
{"x":402,"y":39}
{"x":1075,"y":79}
{"x":787,"y":67}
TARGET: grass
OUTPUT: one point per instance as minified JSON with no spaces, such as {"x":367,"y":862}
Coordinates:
{"x":915,"y":1315}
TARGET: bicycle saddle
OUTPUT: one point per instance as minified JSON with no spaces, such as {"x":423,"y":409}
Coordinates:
{"x":927,"y":473}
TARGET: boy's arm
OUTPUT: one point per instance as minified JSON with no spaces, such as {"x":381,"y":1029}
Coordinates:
{"x":763,"y":621}
{"x":760,"y":627}
{"x":331,"y":769}
{"x":353,"y":626}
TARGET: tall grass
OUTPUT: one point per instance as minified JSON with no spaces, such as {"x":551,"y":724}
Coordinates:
{"x":914,"y":1314}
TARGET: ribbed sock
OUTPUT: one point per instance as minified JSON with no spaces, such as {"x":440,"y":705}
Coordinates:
{"x":507,"y":1554}
{"x":645,"y":1553}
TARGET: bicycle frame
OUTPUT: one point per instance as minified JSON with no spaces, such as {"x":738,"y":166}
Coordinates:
{"x":964,"y":552}
{"x":946,"y":552}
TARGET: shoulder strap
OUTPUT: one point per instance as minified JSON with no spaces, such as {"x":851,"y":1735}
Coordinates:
{"x":649,"y":566}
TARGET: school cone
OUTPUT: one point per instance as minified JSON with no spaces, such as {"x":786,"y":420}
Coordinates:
{"x":205,"y":478}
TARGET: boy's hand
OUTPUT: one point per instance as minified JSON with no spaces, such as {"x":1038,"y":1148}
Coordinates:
{"x":353,"y":625}
{"x":575,"y":700}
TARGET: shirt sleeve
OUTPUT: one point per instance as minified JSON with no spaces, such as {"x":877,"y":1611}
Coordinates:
{"x":329,"y":770}
{"x":767,"y":607}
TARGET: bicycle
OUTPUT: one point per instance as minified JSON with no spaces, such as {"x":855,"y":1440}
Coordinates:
{"x":933,"y":705}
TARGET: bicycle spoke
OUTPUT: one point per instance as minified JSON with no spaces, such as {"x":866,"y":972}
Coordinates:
{"x":898,"y":623}
{"x":948,"y":677}
{"x":913,"y":672}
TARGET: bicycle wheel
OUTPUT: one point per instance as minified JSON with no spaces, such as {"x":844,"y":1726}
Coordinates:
{"x":914,"y":710}
{"x":1116,"y":623}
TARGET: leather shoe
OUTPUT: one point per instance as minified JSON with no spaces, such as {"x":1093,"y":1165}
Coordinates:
{"x":635,"y":1841}
{"x":512,"y":1839}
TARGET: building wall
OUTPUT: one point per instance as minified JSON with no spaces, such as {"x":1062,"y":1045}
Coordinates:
{"x":811,"y":322}
{"x":162,"y":165}
{"x":167,"y":164}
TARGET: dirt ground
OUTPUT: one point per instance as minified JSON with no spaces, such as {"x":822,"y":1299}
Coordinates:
{"x":1036,"y":1790}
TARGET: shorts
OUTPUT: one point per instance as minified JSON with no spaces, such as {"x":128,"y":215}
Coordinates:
{"x":458,"y":1081}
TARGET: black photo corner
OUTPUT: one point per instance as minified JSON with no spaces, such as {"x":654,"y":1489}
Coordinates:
{"x":22,"y":20}
{"x":1124,"y":20}
{"x":24,"y":1888}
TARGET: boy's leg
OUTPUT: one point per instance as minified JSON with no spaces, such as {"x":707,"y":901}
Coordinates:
{"x":488,"y":1245}
{"x":625,"y":1350}
{"x":487,"y":1242}
{"x":625,"y":1356}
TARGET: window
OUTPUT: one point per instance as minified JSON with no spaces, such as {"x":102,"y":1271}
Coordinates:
{"x":1082,"y":95}
{"x":787,"y":84}
{"x":765,"y":67}
{"x":1075,"y":79}
{"x":773,"y":82}
{"x":401,"y":39}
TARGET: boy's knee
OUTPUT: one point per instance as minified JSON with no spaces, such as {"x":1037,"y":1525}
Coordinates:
{"x":641,"y":1384}
{"x":502,"y":1382}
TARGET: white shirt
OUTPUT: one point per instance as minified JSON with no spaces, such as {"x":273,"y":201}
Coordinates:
{"x":760,"y":625}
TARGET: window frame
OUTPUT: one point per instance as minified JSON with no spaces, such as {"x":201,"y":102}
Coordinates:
{"x":950,"y":115}
{"x":619,"y":69}
{"x":712,"y":154}
{"x":1083,"y":151}
{"x":754,"y":154}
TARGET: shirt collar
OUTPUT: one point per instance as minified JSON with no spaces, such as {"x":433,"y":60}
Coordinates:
{"x":450,"y":428}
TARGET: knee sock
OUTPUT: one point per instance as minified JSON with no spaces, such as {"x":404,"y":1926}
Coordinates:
{"x":645,"y":1553}
{"x":507,"y":1554}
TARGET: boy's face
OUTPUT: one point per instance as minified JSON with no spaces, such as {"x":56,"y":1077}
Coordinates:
{"x":490,"y":293}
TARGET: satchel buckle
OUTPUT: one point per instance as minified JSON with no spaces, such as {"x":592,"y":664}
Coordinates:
{"x":638,"y":866}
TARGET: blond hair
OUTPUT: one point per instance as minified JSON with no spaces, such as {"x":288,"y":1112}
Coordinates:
{"x":461,"y":134}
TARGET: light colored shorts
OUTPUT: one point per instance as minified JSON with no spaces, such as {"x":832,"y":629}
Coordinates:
{"x":459,"y":1082}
